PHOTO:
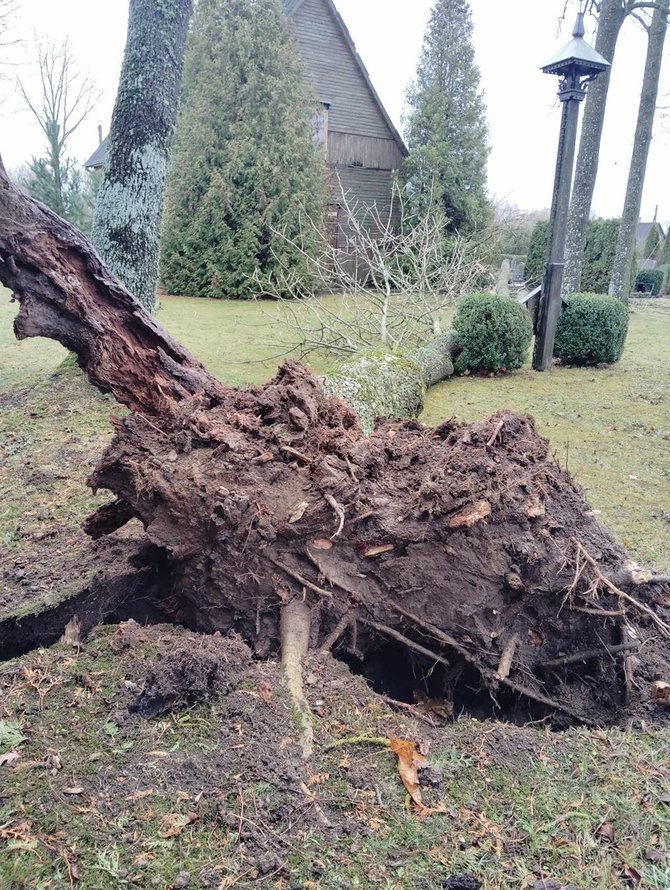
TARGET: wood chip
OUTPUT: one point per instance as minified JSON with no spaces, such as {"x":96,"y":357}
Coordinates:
{"x":297,"y":512}
{"x":470,"y":515}
{"x":378,"y":550}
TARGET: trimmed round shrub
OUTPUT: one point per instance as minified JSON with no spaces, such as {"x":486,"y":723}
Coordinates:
{"x":591,"y":330}
{"x":493,"y":332}
{"x":649,"y":281}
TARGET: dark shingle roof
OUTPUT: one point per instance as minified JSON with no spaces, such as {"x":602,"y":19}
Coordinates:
{"x":643,"y":230}
{"x":99,"y":156}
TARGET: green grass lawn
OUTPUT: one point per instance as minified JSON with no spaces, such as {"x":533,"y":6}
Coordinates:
{"x":610,"y":427}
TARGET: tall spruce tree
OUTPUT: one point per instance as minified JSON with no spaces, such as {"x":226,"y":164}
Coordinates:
{"x":446,"y":125}
{"x":244,"y":166}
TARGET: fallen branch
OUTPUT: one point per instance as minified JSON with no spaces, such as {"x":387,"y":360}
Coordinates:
{"x":587,"y":655}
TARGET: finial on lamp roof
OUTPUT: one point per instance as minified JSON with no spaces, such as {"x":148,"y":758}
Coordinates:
{"x":580,"y":29}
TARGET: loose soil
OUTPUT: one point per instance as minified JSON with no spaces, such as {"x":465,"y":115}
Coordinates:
{"x":210,"y":790}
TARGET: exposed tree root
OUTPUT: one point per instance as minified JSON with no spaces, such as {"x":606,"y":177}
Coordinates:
{"x":605,"y":581}
{"x":469,"y":525}
{"x":296,"y":619}
{"x":334,"y":636}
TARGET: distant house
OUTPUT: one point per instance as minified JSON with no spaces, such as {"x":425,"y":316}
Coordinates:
{"x":361,"y":145}
{"x":642,"y":237}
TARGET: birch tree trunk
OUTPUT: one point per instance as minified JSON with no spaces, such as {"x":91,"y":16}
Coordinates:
{"x":130,"y":204}
{"x":623,"y":261}
{"x":612,"y":16}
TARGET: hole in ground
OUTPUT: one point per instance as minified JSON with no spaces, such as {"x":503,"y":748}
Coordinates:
{"x":106,"y":600}
{"x":408,"y":677}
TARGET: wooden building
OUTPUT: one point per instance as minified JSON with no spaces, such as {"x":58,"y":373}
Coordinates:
{"x":361,"y":145}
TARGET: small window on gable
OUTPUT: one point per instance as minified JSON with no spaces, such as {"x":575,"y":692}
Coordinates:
{"x":320,"y":127}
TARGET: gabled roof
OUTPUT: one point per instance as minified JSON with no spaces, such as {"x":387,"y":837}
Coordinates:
{"x":99,"y":156}
{"x":292,"y":7}
{"x":643,"y":230}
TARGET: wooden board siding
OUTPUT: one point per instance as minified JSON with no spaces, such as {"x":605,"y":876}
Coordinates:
{"x":363,"y":188}
{"x":334,"y":73}
{"x":348,"y":149}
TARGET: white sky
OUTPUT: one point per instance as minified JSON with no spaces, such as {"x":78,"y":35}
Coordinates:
{"x":512,"y":39}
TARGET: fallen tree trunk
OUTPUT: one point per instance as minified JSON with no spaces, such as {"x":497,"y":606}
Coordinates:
{"x":387,"y":384}
{"x":458,"y":553}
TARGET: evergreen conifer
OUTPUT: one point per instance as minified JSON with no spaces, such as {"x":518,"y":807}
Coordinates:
{"x":243,"y":163}
{"x":446,"y":127}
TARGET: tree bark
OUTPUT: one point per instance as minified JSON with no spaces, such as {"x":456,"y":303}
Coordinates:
{"x":130,"y":202}
{"x":443,"y":544}
{"x":620,"y":283}
{"x":611,"y":18}
{"x":384,"y":384}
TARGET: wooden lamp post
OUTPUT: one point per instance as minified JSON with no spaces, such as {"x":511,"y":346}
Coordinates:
{"x":577,"y":64}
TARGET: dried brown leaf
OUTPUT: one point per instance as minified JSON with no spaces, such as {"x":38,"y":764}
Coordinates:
{"x":606,"y":832}
{"x":8,"y":758}
{"x":409,"y":761}
{"x":264,"y":691}
{"x":632,"y":875}
{"x":297,"y":511}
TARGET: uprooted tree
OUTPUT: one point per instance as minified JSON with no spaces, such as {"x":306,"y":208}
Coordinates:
{"x":459,"y":550}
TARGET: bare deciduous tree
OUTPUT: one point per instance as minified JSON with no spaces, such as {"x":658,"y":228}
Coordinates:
{"x":396,"y":277}
{"x":611,"y":16}
{"x":621,"y":273}
{"x":64,"y":100}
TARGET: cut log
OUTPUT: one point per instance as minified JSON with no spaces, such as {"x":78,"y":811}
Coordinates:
{"x":262,"y":496}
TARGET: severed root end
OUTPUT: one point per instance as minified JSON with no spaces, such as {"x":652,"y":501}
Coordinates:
{"x":296,"y":618}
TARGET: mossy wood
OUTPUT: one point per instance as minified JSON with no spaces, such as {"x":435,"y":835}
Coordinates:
{"x":461,"y":547}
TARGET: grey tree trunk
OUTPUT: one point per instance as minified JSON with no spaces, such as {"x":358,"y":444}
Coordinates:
{"x":612,"y":16}
{"x":130,"y":203}
{"x":623,"y":260}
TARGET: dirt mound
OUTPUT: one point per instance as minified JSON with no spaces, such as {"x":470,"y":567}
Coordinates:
{"x":184,"y":674}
